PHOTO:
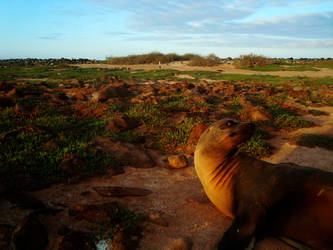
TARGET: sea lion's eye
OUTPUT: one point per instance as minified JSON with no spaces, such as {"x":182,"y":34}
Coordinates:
{"x":229,"y":123}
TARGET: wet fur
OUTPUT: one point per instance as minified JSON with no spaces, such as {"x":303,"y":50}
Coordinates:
{"x":279,"y":199}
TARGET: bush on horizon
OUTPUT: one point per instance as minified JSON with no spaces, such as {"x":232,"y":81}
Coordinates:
{"x":150,"y":58}
{"x":253,"y":60}
{"x":210,"y":60}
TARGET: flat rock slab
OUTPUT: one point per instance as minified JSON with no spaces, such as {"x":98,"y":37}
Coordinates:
{"x":116,"y":191}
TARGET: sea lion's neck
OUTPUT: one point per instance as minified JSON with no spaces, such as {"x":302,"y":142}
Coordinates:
{"x":218,"y":170}
{"x":223,"y":172}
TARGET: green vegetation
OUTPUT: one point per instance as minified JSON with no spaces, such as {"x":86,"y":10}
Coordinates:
{"x":60,"y":73}
{"x":284,"y":119}
{"x":273,"y":67}
{"x":256,"y":145}
{"x":121,"y":220}
{"x":36,"y":145}
{"x":178,"y":135}
{"x":316,"y":112}
{"x":313,"y":140}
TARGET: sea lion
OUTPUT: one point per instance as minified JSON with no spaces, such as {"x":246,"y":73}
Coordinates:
{"x":284,"y":200}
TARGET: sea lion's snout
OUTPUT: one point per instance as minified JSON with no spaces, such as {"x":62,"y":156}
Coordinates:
{"x":241,"y":132}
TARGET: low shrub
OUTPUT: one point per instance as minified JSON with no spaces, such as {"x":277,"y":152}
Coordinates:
{"x":253,"y":60}
{"x":211,"y":60}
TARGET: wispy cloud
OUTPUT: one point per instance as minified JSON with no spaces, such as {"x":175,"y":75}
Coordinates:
{"x":51,"y":36}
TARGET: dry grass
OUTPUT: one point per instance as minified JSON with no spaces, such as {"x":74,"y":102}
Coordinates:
{"x":150,"y":58}
{"x":211,"y":60}
{"x":252,"y":60}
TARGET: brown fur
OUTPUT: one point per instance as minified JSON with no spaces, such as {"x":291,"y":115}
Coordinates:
{"x":283,"y":199}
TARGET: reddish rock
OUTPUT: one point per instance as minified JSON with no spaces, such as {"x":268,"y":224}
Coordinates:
{"x":177,"y":118}
{"x":196,"y":132}
{"x":71,"y":165}
{"x":5,"y":235}
{"x":30,"y":234}
{"x":179,"y":244}
{"x":5,"y":86}
{"x":114,"y":191}
{"x":253,"y":113}
{"x":118,"y":90}
{"x":128,"y":153}
{"x":95,"y":212}
{"x":6,"y":101}
{"x":76,"y":240}
{"x":122,"y":123}
{"x":177,"y":161}
{"x":50,"y":145}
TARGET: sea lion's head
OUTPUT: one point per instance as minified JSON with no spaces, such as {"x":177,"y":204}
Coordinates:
{"x":223,"y":137}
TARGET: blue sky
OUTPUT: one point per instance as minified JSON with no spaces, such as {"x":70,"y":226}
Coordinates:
{"x":99,"y":28}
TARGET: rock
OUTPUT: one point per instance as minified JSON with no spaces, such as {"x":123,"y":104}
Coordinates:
{"x":199,"y":99}
{"x":177,"y":161}
{"x":122,"y":123}
{"x":156,"y":218}
{"x":5,"y":236}
{"x":6,"y":101}
{"x":30,"y":234}
{"x":77,"y":240}
{"x":114,"y":191}
{"x":62,"y":231}
{"x":128,"y":153}
{"x":28,"y":90}
{"x":177,"y":118}
{"x":189,"y":149}
{"x":179,"y":244}
{"x":118,"y":241}
{"x":5,"y":86}
{"x":196,"y":132}
{"x":71,"y":165}
{"x":95,"y":212}
{"x":25,"y":201}
{"x":30,"y":184}
{"x":253,"y":113}
{"x":49,"y":146}
{"x":110,"y":91}
{"x":77,"y":93}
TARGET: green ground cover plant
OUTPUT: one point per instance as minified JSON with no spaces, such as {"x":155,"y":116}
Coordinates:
{"x":24,"y":141}
{"x":274,"y":67}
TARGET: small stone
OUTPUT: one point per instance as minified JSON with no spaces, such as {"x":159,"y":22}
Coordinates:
{"x":6,"y":101}
{"x":114,"y":191}
{"x":25,"y":201}
{"x":5,"y":235}
{"x":196,"y":132}
{"x":179,"y":244}
{"x":123,"y":123}
{"x":177,"y":161}
{"x":156,"y":218}
{"x":50,"y":145}
{"x":115,"y":90}
{"x":30,"y":234}
{"x":118,"y":242}
{"x":71,"y":165}
{"x":77,"y":240}
{"x":94,"y":212}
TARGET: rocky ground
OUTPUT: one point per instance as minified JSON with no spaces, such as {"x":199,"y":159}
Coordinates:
{"x":110,"y":163}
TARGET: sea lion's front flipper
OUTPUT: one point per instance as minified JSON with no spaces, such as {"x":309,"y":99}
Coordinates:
{"x":239,"y":236}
